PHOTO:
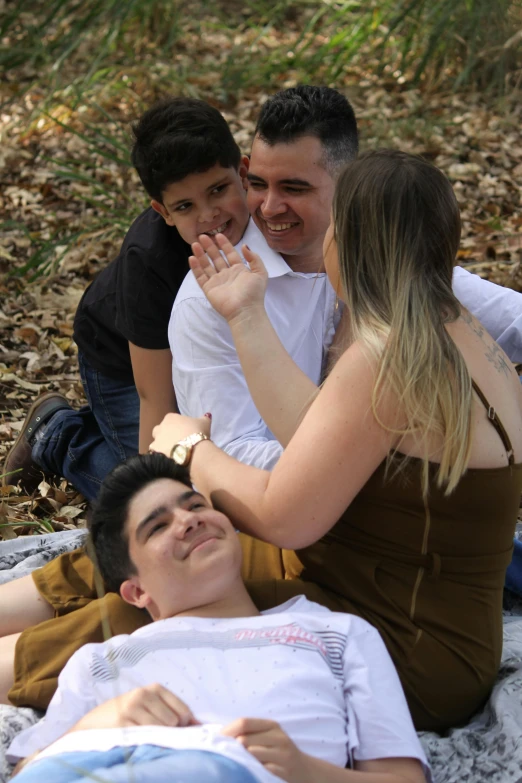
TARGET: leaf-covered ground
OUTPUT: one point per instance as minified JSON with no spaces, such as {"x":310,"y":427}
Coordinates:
{"x":68,"y":195}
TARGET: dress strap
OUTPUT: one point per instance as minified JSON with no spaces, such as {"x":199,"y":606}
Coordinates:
{"x":494,"y":419}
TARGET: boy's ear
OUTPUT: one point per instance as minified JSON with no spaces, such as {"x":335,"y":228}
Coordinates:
{"x":160,"y":209}
{"x":243,"y":170}
{"x":133,"y":594}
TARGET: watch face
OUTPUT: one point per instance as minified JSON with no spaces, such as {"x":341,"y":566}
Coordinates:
{"x":181,"y":454}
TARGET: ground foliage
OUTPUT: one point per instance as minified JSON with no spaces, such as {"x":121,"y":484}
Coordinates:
{"x":69,"y":194}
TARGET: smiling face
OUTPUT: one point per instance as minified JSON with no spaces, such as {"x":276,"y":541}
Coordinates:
{"x":208,"y":202}
{"x":186,"y":555}
{"x":290,"y":196}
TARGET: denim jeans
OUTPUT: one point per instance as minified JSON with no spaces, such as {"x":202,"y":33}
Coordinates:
{"x":84,"y":445}
{"x":138,"y":764}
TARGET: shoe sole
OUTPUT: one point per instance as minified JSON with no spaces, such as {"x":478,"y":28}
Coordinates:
{"x":6,"y":475}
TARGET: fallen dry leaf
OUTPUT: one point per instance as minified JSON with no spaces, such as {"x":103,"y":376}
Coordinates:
{"x":473,"y":139}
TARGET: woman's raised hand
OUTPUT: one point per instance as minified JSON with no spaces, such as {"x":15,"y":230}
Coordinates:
{"x":230,"y":287}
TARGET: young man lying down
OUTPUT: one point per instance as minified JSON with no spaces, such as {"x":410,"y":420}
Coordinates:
{"x":213,"y":689}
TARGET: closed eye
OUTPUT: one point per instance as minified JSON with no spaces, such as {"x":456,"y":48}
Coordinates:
{"x":155,"y":528}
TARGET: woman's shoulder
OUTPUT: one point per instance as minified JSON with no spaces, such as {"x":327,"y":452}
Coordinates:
{"x":356,"y":358}
{"x":358,"y":371}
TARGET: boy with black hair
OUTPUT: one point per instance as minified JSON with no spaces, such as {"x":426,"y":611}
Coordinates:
{"x":192,"y":169}
{"x":168,"y":701}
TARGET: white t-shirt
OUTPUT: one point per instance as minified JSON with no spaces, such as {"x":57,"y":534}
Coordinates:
{"x":326,"y":677}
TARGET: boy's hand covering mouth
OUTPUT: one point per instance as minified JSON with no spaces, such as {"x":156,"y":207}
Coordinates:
{"x":229,"y":285}
{"x":150,"y":705}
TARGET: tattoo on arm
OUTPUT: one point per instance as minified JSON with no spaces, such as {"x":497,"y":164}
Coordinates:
{"x":493,"y":353}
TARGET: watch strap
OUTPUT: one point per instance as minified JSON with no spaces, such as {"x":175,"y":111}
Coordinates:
{"x":189,"y":442}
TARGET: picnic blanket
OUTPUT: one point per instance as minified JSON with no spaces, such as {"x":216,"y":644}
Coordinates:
{"x":487,"y":750}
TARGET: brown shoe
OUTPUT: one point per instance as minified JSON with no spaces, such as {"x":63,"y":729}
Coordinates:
{"x":19,"y":458}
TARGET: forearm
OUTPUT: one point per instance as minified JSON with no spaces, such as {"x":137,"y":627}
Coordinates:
{"x":79,"y":726}
{"x":281,"y":391}
{"x":330,"y":457}
{"x":218,"y":476}
{"x":324,"y":772}
{"x":23,"y":763}
{"x":152,"y":412}
{"x":242,"y":492}
{"x":152,"y":370}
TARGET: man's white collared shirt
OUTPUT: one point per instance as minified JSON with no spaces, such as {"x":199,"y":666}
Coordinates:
{"x":206,"y":371}
{"x":497,"y":308}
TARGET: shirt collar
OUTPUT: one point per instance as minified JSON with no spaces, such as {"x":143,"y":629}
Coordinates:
{"x":275,"y":265}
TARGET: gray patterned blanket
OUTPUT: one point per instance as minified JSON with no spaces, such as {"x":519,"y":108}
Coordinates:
{"x":487,"y":750}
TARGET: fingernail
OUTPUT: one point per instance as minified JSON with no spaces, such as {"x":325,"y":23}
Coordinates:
{"x":208,"y":415}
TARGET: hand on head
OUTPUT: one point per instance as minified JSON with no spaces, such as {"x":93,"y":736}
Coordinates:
{"x":229,"y":285}
{"x":174,"y":428}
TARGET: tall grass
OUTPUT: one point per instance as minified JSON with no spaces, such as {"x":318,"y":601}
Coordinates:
{"x":46,"y":35}
{"x":455,"y":41}
{"x":450,"y":43}
{"x":475,"y":42}
{"x":100,"y":56}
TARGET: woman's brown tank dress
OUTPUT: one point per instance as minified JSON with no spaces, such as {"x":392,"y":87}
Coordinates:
{"x":428,"y":576}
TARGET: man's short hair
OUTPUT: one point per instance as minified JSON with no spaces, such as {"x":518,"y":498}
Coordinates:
{"x":111,"y":509}
{"x":178,"y":137}
{"x":311,"y":111}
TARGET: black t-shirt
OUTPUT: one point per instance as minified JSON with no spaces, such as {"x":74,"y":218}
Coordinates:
{"x":131,"y":299}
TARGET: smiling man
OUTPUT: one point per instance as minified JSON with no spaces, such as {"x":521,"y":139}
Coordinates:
{"x":289,"y":210}
{"x":214,"y":690}
{"x":303,"y":138}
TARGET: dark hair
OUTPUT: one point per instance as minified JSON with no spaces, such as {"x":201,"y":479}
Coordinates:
{"x":110,"y":511}
{"x":311,"y":111}
{"x":178,"y":137}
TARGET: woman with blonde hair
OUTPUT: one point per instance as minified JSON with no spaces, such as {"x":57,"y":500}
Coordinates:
{"x":397,"y":493}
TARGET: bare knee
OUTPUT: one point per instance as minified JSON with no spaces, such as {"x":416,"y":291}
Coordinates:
{"x":21,"y":605}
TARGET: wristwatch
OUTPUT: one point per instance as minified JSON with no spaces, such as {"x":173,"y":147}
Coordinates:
{"x":181,"y":452}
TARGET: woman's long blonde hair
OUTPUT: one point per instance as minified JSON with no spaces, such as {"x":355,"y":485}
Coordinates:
{"x":397,"y":228}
